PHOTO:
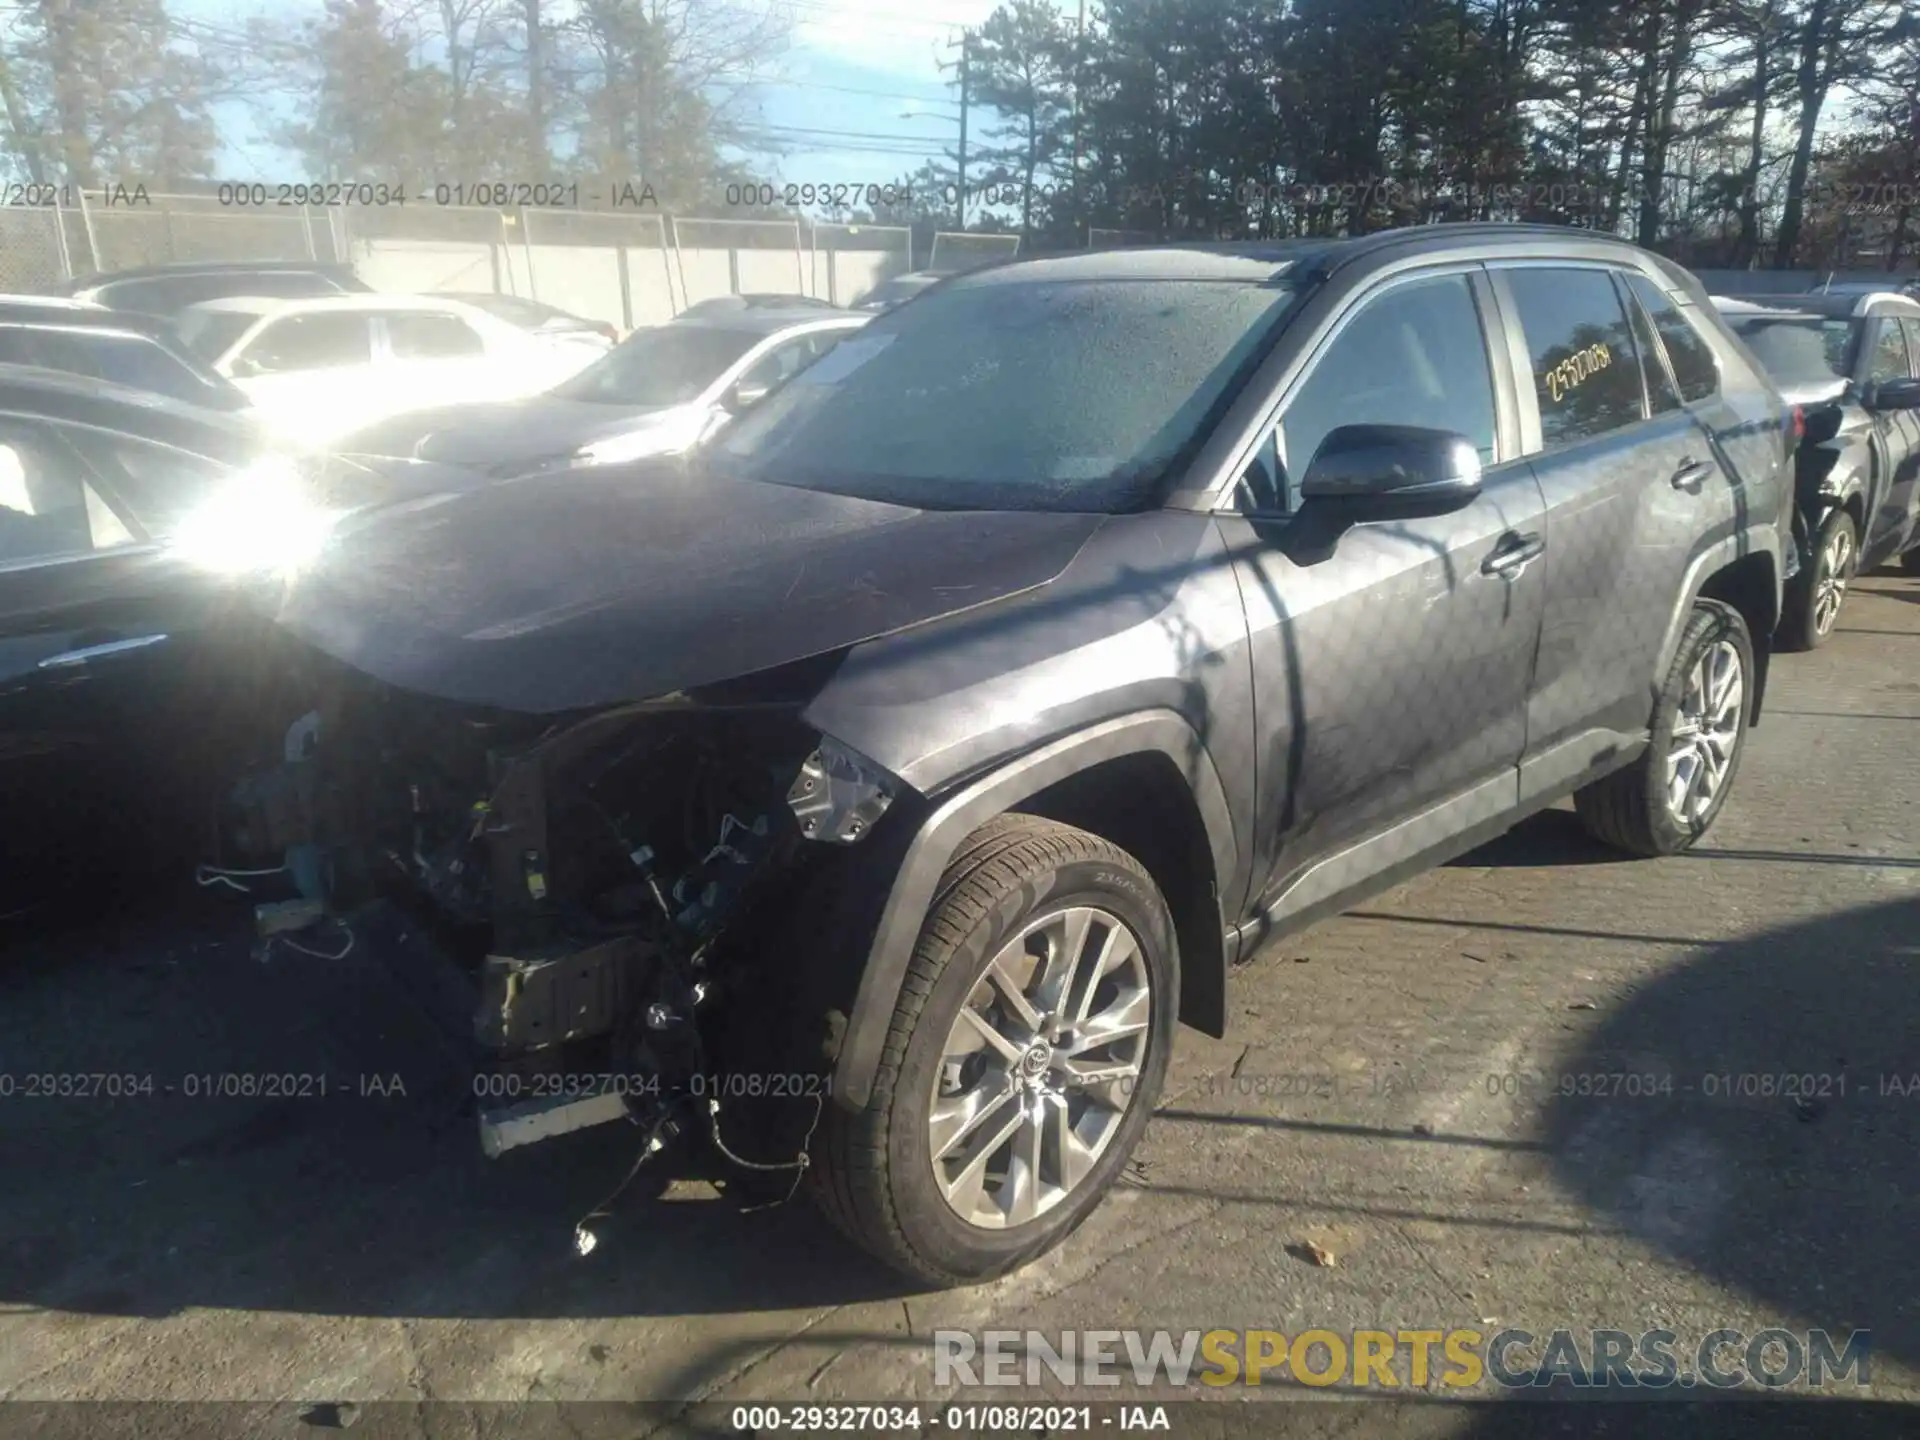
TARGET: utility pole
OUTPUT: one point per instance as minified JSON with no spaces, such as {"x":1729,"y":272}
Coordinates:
{"x":1079,"y":43}
{"x":960,"y":207}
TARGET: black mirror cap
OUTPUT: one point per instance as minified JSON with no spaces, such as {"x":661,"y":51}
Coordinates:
{"x":1898,"y":394}
{"x":1392,"y":469}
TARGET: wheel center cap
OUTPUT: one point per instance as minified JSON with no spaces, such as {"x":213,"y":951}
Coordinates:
{"x":1034,"y":1063}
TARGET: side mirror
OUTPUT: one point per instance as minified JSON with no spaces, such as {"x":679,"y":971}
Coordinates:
{"x":743,"y":395}
{"x":244,"y":367}
{"x":1383,"y":472}
{"x":1901,"y":394}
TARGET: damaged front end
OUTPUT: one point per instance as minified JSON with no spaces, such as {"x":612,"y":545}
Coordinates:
{"x":637,"y":900}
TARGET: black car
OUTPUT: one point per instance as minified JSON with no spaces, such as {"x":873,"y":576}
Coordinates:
{"x":534,"y":316}
{"x":96,"y":615}
{"x":1850,"y":363}
{"x":660,"y":391}
{"x":166,"y":290}
{"x":120,"y":347}
{"x":130,"y":525}
{"x":872,"y":791}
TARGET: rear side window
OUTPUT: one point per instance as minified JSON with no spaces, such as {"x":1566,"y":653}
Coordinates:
{"x":1586,"y":374}
{"x":309,"y":342}
{"x":424,"y":335}
{"x":1662,"y":395}
{"x":1688,"y":352}
{"x":1912,"y":327}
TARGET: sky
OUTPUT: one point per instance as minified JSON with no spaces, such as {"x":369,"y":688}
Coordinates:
{"x":859,"y":97}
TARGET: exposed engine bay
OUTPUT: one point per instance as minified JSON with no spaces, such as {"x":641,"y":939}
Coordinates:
{"x":624,"y":892}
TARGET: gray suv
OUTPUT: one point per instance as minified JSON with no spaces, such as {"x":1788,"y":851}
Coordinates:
{"x":873,"y":792}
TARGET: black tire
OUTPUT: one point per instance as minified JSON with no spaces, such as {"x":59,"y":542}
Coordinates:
{"x":872,"y":1172}
{"x":1910,"y":562}
{"x":1629,"y":809}
{"x":1800,"y":628}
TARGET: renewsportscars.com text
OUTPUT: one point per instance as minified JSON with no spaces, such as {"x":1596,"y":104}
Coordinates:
{"x":1450,"y":1359}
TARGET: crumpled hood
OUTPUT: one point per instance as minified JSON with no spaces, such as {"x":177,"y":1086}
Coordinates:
{"x":595,"y":586}
{"x":498,"y":435}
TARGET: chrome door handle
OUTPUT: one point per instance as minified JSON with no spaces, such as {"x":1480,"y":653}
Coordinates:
{"x":101,"y":651}
{"x":1692,"y":475}
{"x":1512,"y":555}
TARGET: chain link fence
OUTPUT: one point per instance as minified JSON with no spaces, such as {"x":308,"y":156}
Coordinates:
{"x":630,"y":267}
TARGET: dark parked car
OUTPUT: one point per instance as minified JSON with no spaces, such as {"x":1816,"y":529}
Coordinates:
{"x":874,"y":789}
{"x":532,"y":315}
{"x":1850,"y":363}
{"x":128,"y":524}
{"x":95,"y":613}
{"x":166,"y":290}
{"x":133,"y":350}
{"x":736,"y":304}
{"x":898,"y":290}
{"x":660,"y":391}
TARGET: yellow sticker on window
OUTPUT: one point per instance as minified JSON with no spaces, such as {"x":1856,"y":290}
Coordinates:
{"x":1574,"y":371}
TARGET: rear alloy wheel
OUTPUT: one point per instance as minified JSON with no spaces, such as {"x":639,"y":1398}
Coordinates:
{"x":1665,"y":800}
{"x":1815,"y":597}
{"x":1029,"y":1041}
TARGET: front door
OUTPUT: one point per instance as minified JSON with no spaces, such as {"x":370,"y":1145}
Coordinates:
{"x":1391,"y":667}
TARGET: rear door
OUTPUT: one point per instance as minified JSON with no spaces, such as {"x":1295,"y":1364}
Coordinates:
{"x":311,"y":374}
{"x":432,"y":357}
{"x":1631,"y":482}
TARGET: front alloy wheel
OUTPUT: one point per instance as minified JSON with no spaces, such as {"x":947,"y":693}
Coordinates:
{"x":1040,"y":1067}
{"x":1025,"y":1051}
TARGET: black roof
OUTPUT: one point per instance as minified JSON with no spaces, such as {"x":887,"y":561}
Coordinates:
{"x":1201,"y":259}
{"x":232,"y":438}
{"x":48,"y":310}
{"x":341,"y":272}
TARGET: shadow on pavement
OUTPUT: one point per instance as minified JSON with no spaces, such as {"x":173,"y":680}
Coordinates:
{"x":1551,"y":838}
{"x":1785,"y":1159}
{"x":356,"y":1188}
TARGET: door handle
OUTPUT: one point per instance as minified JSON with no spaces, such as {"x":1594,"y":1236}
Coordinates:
{"x":1692,"y":475}
{"x":1512,"y":554}
{"x":100,"y":652}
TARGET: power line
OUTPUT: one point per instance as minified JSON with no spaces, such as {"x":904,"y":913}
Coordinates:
{"x":855,"y":90}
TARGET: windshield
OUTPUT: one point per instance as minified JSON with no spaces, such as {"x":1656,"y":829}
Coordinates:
{"x":669,"y":365}
{"x":1029,"y":395}
{"x":1798,"y":349}
{"x":211,"y":333}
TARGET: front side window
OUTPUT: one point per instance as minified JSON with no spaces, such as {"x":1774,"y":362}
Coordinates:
{"x":1889,"y":353}
{"x":1586,"y":374}
{"x":309,"y":342}
{"x":1694,"y":368}
{"x":1027,"y":394}
{"x":425,"y":335}
{"x":1912,"y":327}
{"x":49,"y":507}
{"x":1415,"y":355}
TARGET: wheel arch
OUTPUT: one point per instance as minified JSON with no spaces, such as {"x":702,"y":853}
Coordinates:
{"x":1744,"y":571}
{"x":1077,"y":779}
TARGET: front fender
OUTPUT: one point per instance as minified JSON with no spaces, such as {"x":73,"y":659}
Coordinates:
{"x":957,"y":816}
